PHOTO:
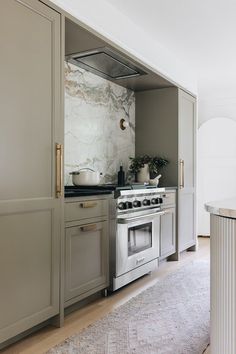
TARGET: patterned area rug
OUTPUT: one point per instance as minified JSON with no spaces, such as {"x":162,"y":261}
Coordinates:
{"x":171,"y":317}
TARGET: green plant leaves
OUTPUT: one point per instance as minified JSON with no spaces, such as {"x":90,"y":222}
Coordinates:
{"x":154,"y":163}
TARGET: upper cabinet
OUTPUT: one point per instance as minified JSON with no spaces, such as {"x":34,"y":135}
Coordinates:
{"x":166,"y":126}
{"x":31,"y":125}
{"x":156,"y":129}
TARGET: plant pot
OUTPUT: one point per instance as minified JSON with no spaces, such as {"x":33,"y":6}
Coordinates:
{"x":143,"y":175}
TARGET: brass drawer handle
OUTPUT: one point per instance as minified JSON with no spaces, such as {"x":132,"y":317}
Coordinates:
{"x":92,"y":227}
{"x":59,"y":169}
{"x":88,"y":204}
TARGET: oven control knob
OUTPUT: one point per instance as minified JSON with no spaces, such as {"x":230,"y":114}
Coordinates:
{"x":160,"y":200}
{"x":136,"y":204}
{"x":128,"y":205}
{"x":146,"y":202}
{"x":122,"y":206}
{"x":154,"y":201}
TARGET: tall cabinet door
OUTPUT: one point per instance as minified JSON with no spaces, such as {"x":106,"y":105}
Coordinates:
{"x":30,"y":213}
{"x":187,"y":172}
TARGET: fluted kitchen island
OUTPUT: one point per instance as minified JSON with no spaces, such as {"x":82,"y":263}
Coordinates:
{"x":223,"y":276}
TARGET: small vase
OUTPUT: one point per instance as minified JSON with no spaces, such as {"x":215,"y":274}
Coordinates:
{"x":143,"y":176}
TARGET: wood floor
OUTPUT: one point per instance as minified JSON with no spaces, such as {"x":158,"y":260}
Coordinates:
{"x":43,"y":340}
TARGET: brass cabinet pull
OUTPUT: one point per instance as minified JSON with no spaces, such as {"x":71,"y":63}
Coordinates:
{"x":59,"y":166}
{"x":181,"y":174}
{"x":92,"y":227}
{"x":88,"y":204}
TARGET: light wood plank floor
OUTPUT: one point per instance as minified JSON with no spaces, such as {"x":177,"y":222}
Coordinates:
{"x":48,"y":337}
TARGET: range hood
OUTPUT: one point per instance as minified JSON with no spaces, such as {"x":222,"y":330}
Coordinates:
{"x":105,"y":63}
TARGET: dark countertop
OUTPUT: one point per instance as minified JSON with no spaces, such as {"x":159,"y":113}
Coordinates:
{"x":83,"y":191}
{"x":72,"y":191}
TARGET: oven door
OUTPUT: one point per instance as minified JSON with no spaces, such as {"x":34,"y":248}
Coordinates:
{"x":137,"y":241}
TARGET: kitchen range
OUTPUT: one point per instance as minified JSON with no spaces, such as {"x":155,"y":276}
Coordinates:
{"x":136,"y":245}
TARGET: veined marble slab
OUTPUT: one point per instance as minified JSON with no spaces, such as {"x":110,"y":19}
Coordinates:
{"x":93,"y":138}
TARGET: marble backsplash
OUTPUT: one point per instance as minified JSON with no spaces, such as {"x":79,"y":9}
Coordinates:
{"x":93,"y":138}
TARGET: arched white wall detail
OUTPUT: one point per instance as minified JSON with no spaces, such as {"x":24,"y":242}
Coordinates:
{"x":216,"y":165}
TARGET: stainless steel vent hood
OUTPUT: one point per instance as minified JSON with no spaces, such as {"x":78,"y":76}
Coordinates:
{"x":106,"y":63}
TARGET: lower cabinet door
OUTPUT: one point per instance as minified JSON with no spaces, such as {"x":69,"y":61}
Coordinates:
{"x":86,"y":260}
{"x":29,"y":269}
{"x":168,"y":242}
{"x":186,"y":222}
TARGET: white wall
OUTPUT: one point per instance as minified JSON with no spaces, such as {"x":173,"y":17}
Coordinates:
{"x":216,"y":145}
{"x":117,"y":27}
{"x":216,"y":99}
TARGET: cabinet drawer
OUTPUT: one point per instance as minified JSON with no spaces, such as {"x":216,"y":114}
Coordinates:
{"x":168,"y":198}
{"x":86,"y":209}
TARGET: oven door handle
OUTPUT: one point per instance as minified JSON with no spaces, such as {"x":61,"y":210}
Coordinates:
{"x":126,"y":221}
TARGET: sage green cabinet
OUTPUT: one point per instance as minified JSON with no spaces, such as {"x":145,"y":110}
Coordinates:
{"x":86,"y":209}
{"x":187,"y":171}
{"x":168,"y":235}
{"x":166,"y":125}
{"x":86,"y":254}
{"x":30,"y":213}
{"x":86,"y":248}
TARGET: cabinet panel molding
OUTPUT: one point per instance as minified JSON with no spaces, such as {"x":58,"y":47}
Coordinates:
{"x":168,"y":234}
{"x":187,"y":152}
{"x":86,"y":259}
{"x":30,"y":214}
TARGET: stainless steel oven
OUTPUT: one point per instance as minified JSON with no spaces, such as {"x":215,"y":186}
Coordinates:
{"x":135,"y":242}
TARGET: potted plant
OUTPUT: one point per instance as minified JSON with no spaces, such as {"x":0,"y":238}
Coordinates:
{"x":144,"y":166}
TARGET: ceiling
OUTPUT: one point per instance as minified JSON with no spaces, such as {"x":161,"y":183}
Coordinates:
{"x":201,"y":33}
